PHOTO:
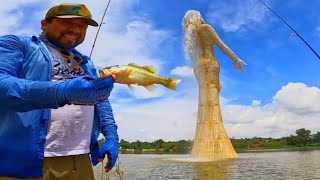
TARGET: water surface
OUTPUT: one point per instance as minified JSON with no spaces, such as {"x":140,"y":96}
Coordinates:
{"x":303,"y":165}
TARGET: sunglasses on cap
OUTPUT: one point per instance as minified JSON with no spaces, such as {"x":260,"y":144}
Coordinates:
{"x":72,"y":60}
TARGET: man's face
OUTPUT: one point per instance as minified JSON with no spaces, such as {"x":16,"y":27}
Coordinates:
{"x":65,"y":33}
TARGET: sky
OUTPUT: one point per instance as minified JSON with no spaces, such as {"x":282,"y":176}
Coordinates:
{"x":278,"y":93}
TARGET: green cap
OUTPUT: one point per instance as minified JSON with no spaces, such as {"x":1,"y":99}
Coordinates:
{"x":71,"y":10}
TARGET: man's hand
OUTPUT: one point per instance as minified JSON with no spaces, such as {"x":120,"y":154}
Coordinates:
{"x":109,"y":148}
{"x":84,"y":90}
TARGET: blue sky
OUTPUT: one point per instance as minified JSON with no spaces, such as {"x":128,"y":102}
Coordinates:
{"x":277,"y":94}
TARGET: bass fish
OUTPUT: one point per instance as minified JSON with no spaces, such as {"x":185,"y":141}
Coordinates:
{"x":132,"y":74}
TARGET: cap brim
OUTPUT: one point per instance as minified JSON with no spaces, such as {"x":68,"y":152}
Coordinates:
{"x":91,"y":22}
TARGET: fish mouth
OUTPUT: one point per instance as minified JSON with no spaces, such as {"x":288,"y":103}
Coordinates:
{"x":103,"y":73}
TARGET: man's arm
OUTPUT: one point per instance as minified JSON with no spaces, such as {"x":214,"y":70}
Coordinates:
{"x":108,"y":127}
{"x":20,"y":94}
{"x":107,"y":123}
{"x":24,"y":95}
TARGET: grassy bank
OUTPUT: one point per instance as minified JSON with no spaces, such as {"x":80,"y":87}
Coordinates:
{"x":277,"y":149}
{"x":238,"y":150}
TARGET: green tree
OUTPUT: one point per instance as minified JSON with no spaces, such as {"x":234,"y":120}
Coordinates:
{"x":183,"y":146}
{"x":303,"y":136}
{"x":146,"y":145}
{"x":124,"y":144}
{"x":158,"y":144}
{"x":168,"y":146}
{"x":136,"y":145}
{"x":292,"y":140}
{"x":316,"y":137}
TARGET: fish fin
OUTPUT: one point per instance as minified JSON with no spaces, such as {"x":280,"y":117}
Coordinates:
{"x":127,"y":71}
{"x":134,"y":65}
{"x":130,"y":86}
{"x":172,"y":84}
{"x":150,"y":87}
{"x":150,"y":68}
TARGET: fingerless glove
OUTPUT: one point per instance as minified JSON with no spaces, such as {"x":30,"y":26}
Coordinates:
{"x":110,"y":148}
{"x":84,"y":90}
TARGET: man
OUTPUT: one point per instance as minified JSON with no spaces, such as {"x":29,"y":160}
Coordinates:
{"x":52,"y":99}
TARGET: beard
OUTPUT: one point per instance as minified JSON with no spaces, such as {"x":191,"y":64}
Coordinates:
{"x":63,"y":41}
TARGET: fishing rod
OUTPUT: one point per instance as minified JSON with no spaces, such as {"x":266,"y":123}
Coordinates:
{"x":95,"y":39}
{"x":291,"y":29}
{"x":94,"y":42}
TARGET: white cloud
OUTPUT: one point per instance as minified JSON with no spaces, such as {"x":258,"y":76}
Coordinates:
{"x":294,"y":106}
{"x":298,"y":98}
{"x":182,"y":71}
{"x":240,"y":14}
{"x":256,"y":103}
{"x":135,"y":44}
{"x":140,"y":92}
{"x":168,"y":119}
{"x":12,"y":15}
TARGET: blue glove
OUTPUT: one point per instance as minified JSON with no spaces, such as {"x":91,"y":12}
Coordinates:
{"x":84,"y":90}
{"x":110,"y":147}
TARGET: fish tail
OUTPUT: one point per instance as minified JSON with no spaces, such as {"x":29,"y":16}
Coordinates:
{"x":172,"y":83}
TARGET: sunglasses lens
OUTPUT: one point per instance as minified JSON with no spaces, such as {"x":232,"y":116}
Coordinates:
{"x":77,"y":58}
{"x":71,"y":61}
{"x":64,"y":52}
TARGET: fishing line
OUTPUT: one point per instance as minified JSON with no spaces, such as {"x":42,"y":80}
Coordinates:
{"x":291,"y":29}
{"x":95,"y":39}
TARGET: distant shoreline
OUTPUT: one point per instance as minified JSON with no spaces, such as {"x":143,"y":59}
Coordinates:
{"x":251,"y":150}
{"x":307,"y":148}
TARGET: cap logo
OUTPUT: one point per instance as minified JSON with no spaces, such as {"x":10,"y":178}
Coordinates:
{"x":80,"y":10}
{"x":76,"y":10}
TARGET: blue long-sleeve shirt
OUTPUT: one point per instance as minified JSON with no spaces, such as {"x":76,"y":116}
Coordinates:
{"x":26,"y":96}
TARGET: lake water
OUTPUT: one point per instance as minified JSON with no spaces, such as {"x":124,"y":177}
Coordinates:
{"x":302,"y":165}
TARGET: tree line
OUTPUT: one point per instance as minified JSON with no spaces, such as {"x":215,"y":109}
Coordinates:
{"x":302,"y":138}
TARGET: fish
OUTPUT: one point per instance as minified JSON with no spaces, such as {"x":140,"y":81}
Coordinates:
{"x":133,"y":74}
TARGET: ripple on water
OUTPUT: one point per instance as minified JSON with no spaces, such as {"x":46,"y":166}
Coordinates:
{"x":264,"y":166}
